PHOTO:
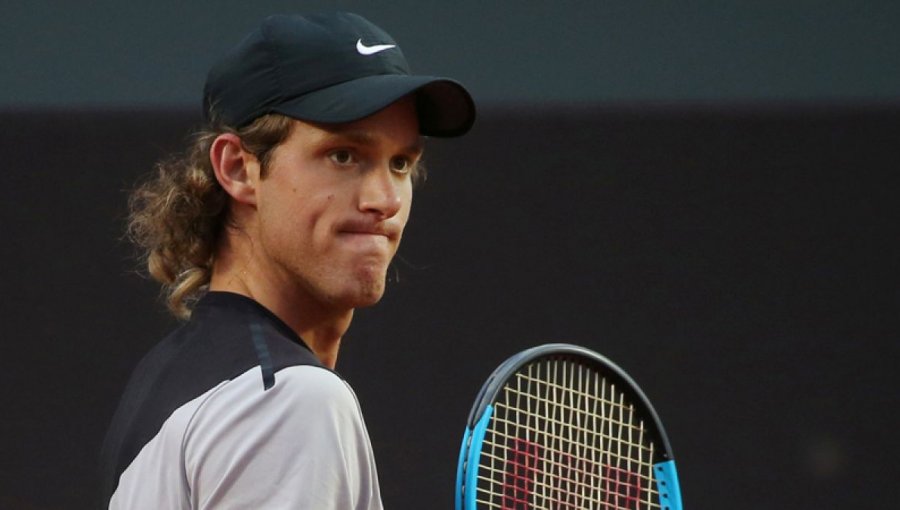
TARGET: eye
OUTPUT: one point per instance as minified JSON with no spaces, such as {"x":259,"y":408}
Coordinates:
{"x":342,"y":157}
{"x":401,"y":165}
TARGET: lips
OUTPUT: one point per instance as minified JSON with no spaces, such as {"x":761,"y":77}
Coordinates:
{"x":367,"y":237}
{"x":364,"y":228}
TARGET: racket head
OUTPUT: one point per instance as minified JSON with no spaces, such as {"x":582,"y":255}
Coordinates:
{"x":560,"y":426}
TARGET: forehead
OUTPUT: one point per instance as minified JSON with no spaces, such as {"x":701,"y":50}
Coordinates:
{"x":395,"y":125}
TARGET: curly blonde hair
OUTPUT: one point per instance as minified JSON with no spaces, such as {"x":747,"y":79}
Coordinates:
{"x":177,"y":216}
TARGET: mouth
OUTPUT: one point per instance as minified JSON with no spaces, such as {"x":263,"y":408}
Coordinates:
{"x":362,"y":230}
{"x":371,"y":245}
{"x":364,"y":239}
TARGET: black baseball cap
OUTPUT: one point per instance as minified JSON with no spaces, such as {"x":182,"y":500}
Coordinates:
{"x":329,"y":68}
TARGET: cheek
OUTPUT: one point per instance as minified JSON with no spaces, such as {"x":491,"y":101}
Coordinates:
{"x":407,"y":205}
{"x":286,"y":216}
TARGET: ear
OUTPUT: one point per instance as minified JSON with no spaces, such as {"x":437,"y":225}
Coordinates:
{"x":236,"y":169}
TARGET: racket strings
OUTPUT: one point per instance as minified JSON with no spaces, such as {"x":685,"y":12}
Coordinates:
{"x":553,"y":456}
{"x":563,"y":437}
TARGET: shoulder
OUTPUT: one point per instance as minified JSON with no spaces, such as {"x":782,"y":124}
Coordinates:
{"x":314,"y":385}
{"x":298,"y":386}
{"x":304,"y":398}
{"x":306,"y":431}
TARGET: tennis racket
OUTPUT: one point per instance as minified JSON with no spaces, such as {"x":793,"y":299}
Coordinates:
{"x":560,"y":427}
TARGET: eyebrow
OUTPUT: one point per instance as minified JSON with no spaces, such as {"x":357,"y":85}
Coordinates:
{"x":362,"y":137}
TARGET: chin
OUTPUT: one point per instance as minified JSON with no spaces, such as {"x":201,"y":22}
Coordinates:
{"x":369,"y":285}
{"x":363,"y":293}
{"x":370,"y":295}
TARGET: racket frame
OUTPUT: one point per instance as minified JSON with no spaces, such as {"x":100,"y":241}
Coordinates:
{"x":482,"y":411}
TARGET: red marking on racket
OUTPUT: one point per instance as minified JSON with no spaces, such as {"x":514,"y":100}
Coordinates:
{"x":575,"y":481}
{"x":518,"y":480}
{"x":621,"y":488}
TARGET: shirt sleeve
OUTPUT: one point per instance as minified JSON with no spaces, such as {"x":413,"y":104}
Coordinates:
{"x":301,"y":444}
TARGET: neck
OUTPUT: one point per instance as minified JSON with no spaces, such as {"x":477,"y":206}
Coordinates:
{"x":320,"y":326}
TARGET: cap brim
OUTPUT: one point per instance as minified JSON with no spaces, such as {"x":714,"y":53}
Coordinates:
{"x":444,"y":107}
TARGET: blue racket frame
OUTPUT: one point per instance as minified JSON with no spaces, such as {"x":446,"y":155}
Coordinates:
{"x":473,"y":438}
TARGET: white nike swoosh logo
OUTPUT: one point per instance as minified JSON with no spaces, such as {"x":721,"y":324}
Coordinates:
{"x":371,"y":50}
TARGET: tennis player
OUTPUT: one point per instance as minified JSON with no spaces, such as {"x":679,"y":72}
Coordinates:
{"x":280,"y":220}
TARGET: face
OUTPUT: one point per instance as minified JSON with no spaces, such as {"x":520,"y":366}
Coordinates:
{"x":333,"y":204}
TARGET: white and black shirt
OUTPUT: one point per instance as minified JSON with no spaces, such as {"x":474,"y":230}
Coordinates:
{"x":233,"y":411}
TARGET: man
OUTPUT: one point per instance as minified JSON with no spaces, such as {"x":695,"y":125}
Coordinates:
{"x":276,"y":225}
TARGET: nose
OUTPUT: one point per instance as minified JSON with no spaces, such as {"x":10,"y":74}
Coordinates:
{"x":380,"y":193}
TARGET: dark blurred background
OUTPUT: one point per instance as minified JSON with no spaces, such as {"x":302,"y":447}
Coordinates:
{"x":704,"y":192}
